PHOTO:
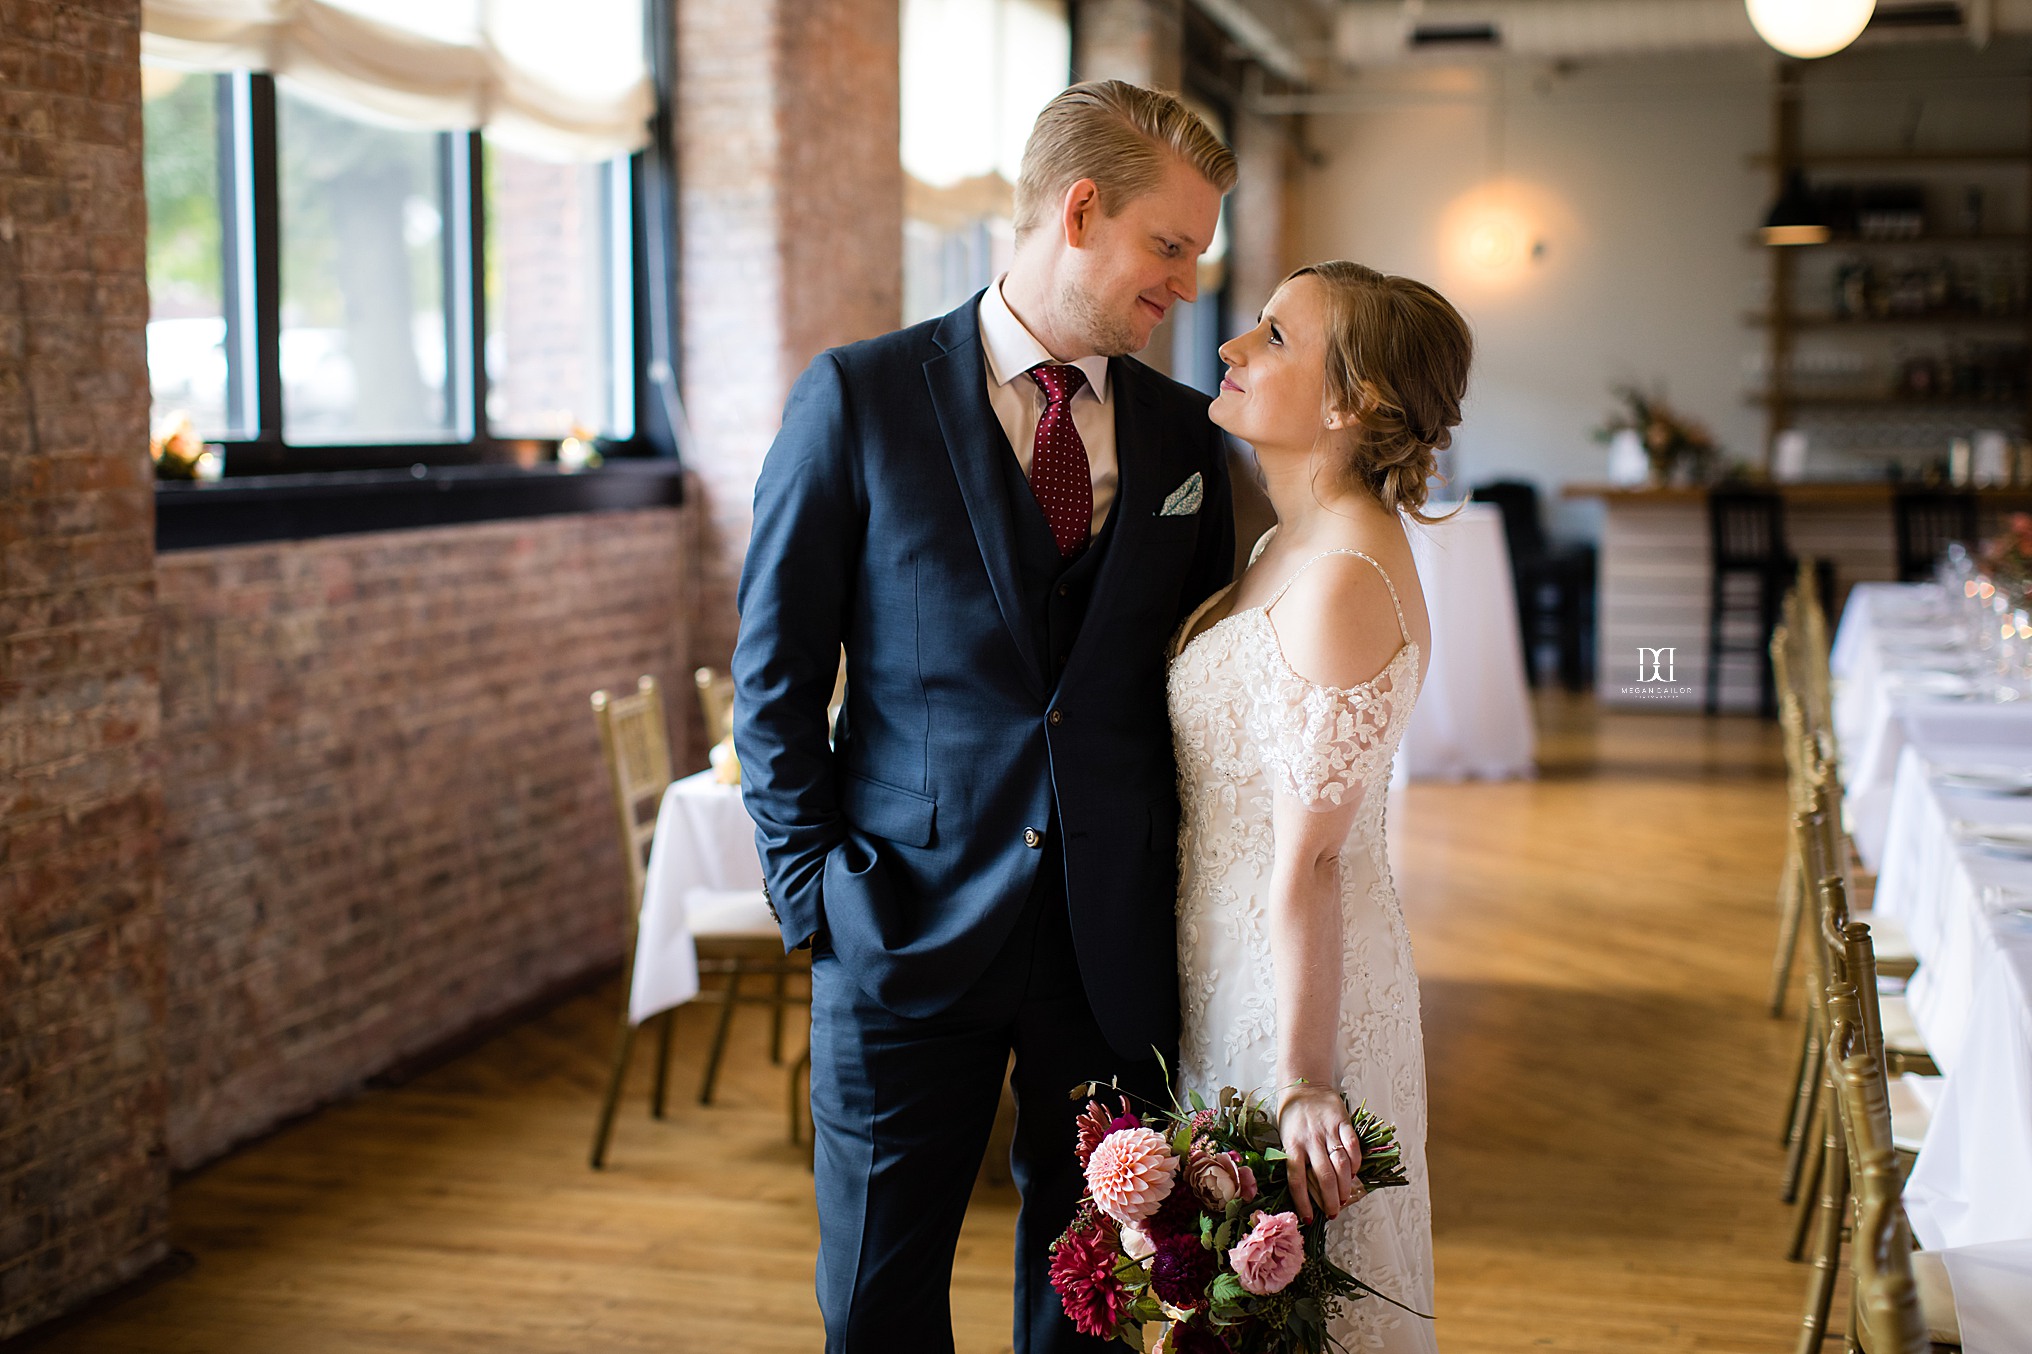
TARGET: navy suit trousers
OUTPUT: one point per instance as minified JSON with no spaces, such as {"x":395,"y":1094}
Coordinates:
{"x":903,"y":1108}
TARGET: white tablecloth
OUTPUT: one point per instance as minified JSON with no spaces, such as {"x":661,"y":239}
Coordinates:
{"x":1993,"y":1296}
{"x":704,"y":840}
{"x":1972,"y":1001}
{"x":1473,"y":718}
{"x":1893,"y":640}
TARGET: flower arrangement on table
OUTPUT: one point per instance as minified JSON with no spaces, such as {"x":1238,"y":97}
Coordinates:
{"x":2007,"y":557}
{"x":1680,"y":449}
{"x":1187,"y":1219}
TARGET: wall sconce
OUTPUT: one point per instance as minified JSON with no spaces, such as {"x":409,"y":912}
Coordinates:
{"x":1495,"y":236}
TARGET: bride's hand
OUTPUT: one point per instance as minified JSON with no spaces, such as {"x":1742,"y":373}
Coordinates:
{"x":1319,"y":1138}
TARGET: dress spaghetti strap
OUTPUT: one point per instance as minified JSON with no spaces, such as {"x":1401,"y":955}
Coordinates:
{"x":1402,"y":633}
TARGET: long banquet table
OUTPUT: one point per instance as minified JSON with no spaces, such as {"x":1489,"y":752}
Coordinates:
{"x":1937,"y":778}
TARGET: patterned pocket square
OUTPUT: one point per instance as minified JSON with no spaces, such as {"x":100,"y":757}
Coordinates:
{"x":1185,"y":499}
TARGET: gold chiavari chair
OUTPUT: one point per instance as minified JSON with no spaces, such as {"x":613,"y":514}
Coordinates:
{"x":1852,"y":1025}
{"x":744,"y":956}
{"x":730,"y":943}
{"x":1816,"y":852}
{"x":636,"y":746}
{"x":1806,"y":721}
{"x":1900,"y":1301}
{"x":1840,"y":950}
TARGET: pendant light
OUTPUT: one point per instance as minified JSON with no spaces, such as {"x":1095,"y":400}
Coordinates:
{"x":1809,"y":28}
{"x":1796,"y":217}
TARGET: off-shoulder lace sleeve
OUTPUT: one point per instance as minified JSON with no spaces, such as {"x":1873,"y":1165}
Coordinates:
{"x":1319,"y":744}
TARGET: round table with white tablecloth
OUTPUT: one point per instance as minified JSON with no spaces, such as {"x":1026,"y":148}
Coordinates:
{"x":704,"y":844}
{"x":1473,"y":718}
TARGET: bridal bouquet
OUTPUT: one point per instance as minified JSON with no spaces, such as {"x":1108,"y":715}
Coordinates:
{"x":1187,"y":1219}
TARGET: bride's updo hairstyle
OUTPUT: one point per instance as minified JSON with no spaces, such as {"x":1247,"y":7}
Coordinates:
{"x":1397,"y":356}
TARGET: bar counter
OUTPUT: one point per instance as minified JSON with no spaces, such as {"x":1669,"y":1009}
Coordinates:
{"x":1655,"y":571}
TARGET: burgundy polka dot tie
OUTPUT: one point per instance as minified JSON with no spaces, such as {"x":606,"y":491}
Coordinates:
{"x":1060,"y":475}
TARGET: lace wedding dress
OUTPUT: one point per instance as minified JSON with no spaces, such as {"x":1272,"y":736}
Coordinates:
{"x":1244,"y":722}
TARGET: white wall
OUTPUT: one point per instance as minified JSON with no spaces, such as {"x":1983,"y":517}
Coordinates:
{"x":1634,"y":180}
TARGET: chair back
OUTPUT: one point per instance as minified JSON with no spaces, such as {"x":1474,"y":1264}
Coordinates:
{"x":1887,"y":1317}
{"x":1746,"y":528}
{"x":716,"y":703}
{"x":1517,"y":500}
{"x":636,"y":744}
{"x":1926,"y":520}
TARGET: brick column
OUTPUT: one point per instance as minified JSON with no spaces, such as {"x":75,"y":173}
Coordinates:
{"x":1260,"y":250}
{"x":83,"y":1181}
{"x":791,"y":213}
{"x":1143,"y":42}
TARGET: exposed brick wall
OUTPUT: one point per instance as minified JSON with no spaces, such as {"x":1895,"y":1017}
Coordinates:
{"x":791,"y":206}
{"x":83,"y":1182}
{"x":387,"y":817}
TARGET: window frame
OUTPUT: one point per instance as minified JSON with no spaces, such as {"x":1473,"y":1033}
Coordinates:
{"x":251,"y":270}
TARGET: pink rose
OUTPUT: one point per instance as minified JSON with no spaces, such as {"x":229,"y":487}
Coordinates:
{"x":1217,"y":1177}
{"x":1271,"y":1255}
{"x":1136,"y":1243}
{"x":1131,"y":1173}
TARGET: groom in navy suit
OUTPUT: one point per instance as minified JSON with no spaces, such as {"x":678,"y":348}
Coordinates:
{"x":1003,"y":518}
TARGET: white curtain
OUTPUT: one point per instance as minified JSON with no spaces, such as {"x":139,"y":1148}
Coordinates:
{"x":561,"y":79}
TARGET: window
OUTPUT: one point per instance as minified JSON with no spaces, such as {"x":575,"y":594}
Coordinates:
{"x":331,"y":292}
{"x":186,"y":284}
{"x":964,"y":126}
{"x":559,"y":357}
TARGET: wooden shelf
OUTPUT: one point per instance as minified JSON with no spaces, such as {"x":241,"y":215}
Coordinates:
{"x":1949,"y":240}
{"x":1760,"y":397}
{"x":1897,"y":159}
{"x":1942,"y":320}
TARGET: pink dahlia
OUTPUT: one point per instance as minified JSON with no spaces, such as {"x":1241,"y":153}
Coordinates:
{"x":1083,"y":1273}
{"x":1131,"y":1173}
{"x":1271,"y":1255}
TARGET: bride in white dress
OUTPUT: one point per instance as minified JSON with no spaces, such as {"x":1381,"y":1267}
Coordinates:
{"x":1289,"y":691}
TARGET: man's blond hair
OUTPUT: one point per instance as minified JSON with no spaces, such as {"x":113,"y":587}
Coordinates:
{"x":1121,"y":136}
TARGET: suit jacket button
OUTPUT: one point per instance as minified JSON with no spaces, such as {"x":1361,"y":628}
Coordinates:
{"x":1056,"y":718}
{"x":1032,"y":838}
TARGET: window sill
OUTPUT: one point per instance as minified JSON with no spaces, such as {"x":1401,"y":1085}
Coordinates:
{"x":247,"y":509}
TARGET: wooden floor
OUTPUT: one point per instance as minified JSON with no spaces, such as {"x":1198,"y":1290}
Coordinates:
{"x":1605,"y":1088}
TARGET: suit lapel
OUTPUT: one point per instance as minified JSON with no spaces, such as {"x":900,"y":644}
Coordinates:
{"x":973,"y":436}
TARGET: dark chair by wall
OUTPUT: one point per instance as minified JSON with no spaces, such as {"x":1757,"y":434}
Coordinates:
{"x":1555,"y":585}
{"x":1926,"y":520}
{"x":1746,"y":529}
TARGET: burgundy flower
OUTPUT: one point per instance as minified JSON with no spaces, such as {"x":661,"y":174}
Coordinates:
{"x":1093,"y":1124}
{"x":1178,"y":1215}
{"x":1181,"y":1271}
{"x":1083,"y":1273}
{"x":1190,"y":1337}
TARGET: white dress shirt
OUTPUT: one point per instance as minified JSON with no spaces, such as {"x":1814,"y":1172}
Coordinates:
{"x":1018,"y":401}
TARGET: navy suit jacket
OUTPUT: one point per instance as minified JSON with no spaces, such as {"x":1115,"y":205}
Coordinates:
{"x":883,"y":522}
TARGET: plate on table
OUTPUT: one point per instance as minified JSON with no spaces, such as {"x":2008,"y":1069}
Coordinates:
{"x":1994,"y":780}
{"x":2003,"y":839}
